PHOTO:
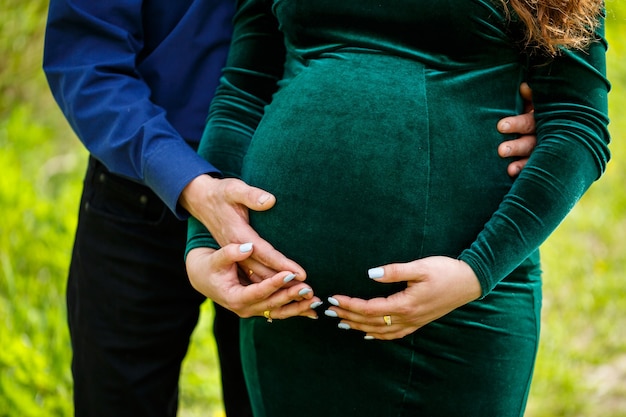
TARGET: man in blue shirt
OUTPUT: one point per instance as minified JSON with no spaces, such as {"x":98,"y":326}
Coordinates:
{"x":134,"y":79}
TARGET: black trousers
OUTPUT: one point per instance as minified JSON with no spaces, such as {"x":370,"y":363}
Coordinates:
{"x":131,"y":309}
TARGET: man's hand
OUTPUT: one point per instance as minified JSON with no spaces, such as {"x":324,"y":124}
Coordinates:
{"x":524,"y":125}
{"x":222,"y":206}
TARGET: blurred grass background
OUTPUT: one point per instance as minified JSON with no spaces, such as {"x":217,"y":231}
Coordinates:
{"x":581,"y":369}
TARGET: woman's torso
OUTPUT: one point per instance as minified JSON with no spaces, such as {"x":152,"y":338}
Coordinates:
{"x":381,"y":143}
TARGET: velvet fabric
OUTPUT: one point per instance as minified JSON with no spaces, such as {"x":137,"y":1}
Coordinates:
{"x":374,"y":125}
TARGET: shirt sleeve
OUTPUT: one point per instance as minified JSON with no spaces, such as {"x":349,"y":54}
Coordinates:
{"x":92,"y":49}
{"x":571,"y":112}
{"x":255,"y":64}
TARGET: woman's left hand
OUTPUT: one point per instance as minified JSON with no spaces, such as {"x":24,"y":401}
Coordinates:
{"x":435,"y":286}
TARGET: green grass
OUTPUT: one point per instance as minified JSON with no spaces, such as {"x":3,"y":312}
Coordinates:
{"x":581,"y":369}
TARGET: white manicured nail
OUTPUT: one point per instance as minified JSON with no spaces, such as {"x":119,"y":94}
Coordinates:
{"x":376,"y":273}
{"x":245,"y":247}
{"x":333,"y":301}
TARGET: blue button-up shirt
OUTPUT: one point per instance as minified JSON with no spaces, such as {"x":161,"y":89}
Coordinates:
{"x":135,"y":78}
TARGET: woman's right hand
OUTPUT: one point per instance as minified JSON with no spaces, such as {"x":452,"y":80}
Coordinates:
{"x":215,"y":274}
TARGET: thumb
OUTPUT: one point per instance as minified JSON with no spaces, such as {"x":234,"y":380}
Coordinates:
{"x":401,"y":272}
{"x":255,"y":198}
{"x":232,"y":253}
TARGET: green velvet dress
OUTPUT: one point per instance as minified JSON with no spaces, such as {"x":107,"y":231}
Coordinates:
{"x":373,"y":123}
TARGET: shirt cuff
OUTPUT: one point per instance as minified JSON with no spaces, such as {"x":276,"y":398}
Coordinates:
{"x":168,"y":171}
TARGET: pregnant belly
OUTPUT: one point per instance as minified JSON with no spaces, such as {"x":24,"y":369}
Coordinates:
{"x":347,"y":151}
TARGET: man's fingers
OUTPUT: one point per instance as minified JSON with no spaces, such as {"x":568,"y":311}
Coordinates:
{"x":527,"y":96}
{"x":523,"y":124}
{"x":269,"y":260}
{"x":252,"y":197}
{"x":521,"y":147}
{"x":516,"y":167}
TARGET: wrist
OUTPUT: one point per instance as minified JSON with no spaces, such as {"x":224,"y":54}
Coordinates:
{"x":194,"y":193}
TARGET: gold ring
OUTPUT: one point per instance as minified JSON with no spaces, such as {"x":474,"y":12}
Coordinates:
{"x":387,"y":320}
{"x":267,"y":314}
{"x":250,"y":272}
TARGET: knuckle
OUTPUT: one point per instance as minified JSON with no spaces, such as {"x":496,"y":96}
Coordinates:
{"x":369,"y":311}
{"x":404,"y":311}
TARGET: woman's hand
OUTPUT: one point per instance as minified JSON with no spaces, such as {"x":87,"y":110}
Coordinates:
{"x":435,"y":286}
{"x":216,"y":275}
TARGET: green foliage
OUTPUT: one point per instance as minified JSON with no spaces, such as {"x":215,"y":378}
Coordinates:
{"x":581,"y":368}
{"x":35,"y":239}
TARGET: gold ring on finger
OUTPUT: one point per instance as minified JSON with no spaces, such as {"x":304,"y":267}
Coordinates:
{"x":268,"y":315}
{"x":387,"y":320}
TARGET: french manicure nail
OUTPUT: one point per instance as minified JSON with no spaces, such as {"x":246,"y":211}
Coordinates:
{"x":333,"y":301}
{"x":245,"y":247}
{"x":304,"y":291}
{"x":368,"y":337}
{"x":376,"y":273}
{"x":316,"y":304}
{"x":331,"y":313}
{"x":289,"y":278}
{"x":344,"y":326}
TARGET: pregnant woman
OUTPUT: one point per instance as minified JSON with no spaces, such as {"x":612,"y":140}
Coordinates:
{"x":373,"y":124}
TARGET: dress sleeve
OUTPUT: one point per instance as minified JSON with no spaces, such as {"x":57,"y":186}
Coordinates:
{"x":254,"y":67}
{"x":571,"y":111}
{"x":92,"y":49}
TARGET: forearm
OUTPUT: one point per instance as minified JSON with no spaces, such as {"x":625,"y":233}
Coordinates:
{"x":250,"y":77}
{"x":92,"y":61}
{"x":538,"y":202}
{"x":570,"y":99}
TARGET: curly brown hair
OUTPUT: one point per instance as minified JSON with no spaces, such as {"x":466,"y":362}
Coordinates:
{"x":554,"y":24}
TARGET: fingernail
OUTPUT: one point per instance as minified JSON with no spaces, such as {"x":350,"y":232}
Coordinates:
{"x":376,"y":273}
{"x":312,"y":317}
{"x":331,"y":313}
{"x":316,"y":304}
{"x":245,"y":248}
{"x":304,"y":291}
{"x":507,"y":151}
{"x":333,"y":301}
{"x":368,"y":337}
{"x":505,"y":126}
{"x":289,"y":278}
{"x":263,"y":199}
{"x":344,"y":326}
